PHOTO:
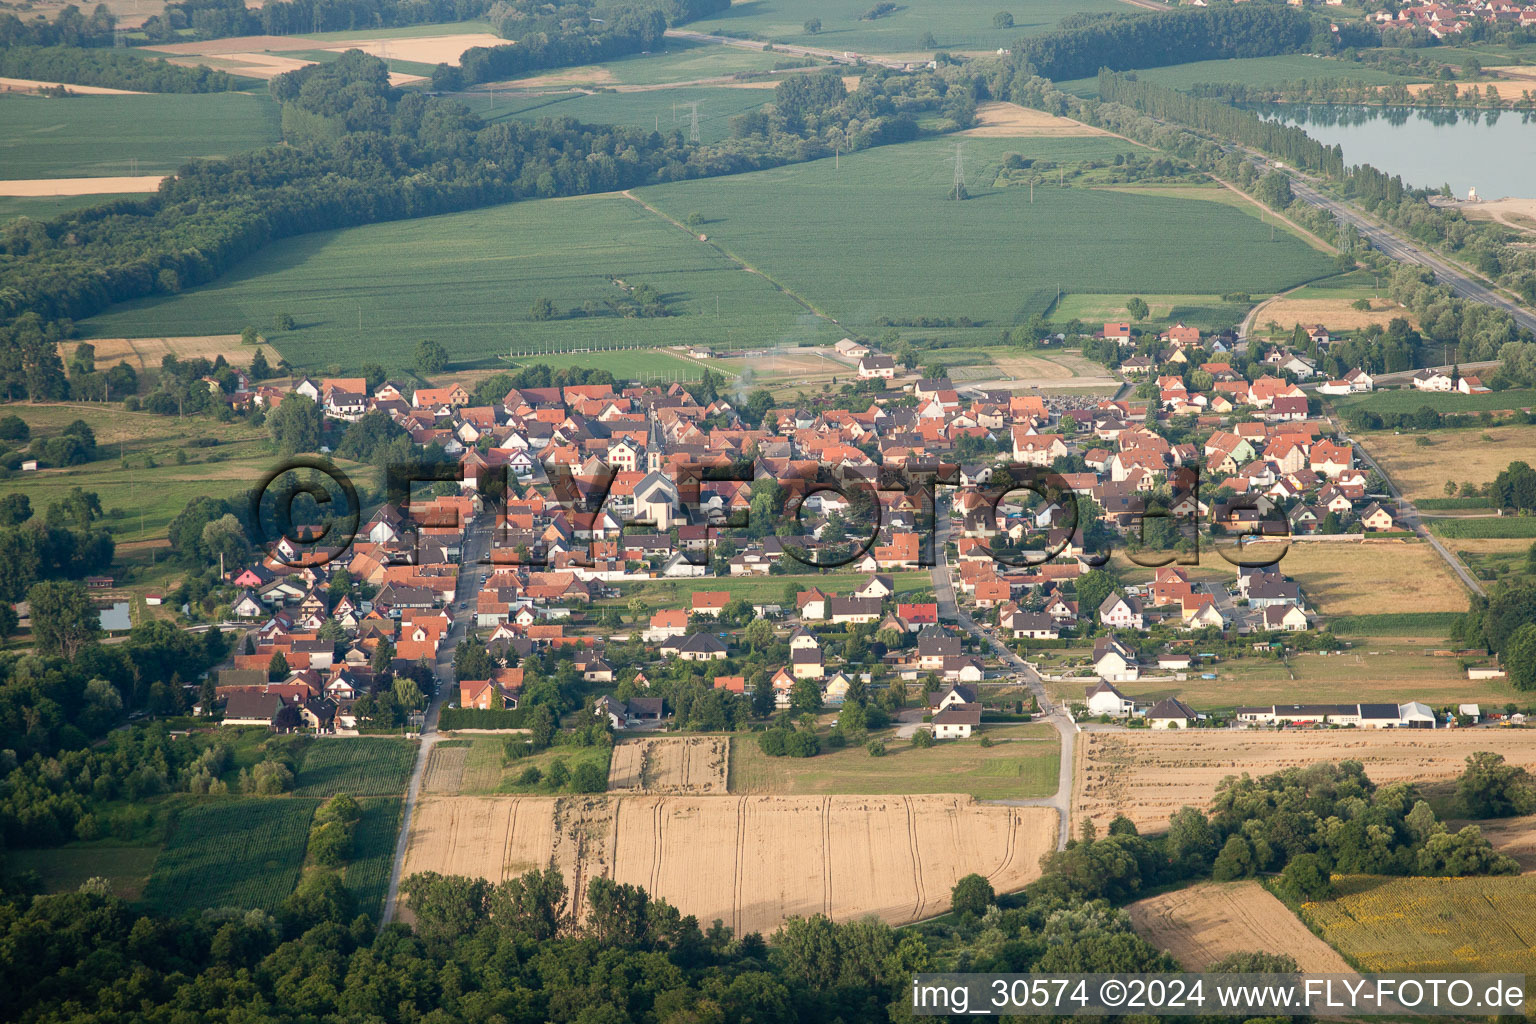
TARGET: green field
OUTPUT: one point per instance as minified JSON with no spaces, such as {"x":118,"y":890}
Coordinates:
{"x":48,"y":207}
{"x":655,"y":109}
{"x":1411,"y":400}
{"x":1022,"y":762}
{"x":1432,"y":624}
{"x":1290,"y":67}
{"x":95,"y":136}
{"x":373,"y":853}
{"x":954,"y":24}
{"x":507,"y":783}
{"x":63,"y":869}
{"x":1195,"y":310}
{"x":996,"y":258}
{"x":678,"y":593}
{"x":147,"y":497}
{"x":1487,"y":526}
{"x":631,"y":364}
{"x":684,"y":60}
{"x":469,"y":280}
{"x":231,"y":853}
{"x":359,"y":767}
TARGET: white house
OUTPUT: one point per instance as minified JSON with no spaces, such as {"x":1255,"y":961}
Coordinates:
{"x":1171,"y":713}
{"x":1120,"y":612}
{"x":875,"y":367}
{"x":1104,"y":699}
{"x":1114,"y":661}
{"x":1432,"y":380}
{"x":956,"y":722}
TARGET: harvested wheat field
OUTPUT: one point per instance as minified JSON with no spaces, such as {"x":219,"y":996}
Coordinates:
{"x":1203,"y":923}
{"x":1149,"y":775}
{"x":692,"y":766}
{"x":33,"y":187}
{"x":148,"y":353}
{"x":1335,"y":314}
{"x":1369,"y":576}
{"x":748,"y":861}
{"x":420,"y":49}
{"x":1515,"y":837}
{"x":1011,"y":121}
{"x":32,"y":85}
{"x":1508,"y":90}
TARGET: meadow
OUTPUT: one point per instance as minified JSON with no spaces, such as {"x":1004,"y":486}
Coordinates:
{"x":1256,"y":71}
{"x":626,"y":364}
{"x":683,"y":60}
{"x":373,"y":853}
{"x":1429,"y":924}
{"x":95,"y":136}
{"x":231,"y":853}
{"x":1022,"y":762}
{"x":1420,"y":463}
{"x":1204,"y":311}
{"x":126,"y":868}
{"x":664,"y":110}
{"x":678,"y":592}
{"x":877,"y":236}
{"x":48,"y":207}
{"x":953,"y":24}
{"x":358,"y":767}
{"x":470,"y":279}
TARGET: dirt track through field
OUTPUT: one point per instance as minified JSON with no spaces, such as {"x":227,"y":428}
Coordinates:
{"x":1203,"y":923}
{"x":1150,"y":775}
{"x":749,"y":861}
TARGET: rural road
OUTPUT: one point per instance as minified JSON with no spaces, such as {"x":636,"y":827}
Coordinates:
{"x":944,"y":595}
{"x":478,"y":546}
{"x":1409,"y":515}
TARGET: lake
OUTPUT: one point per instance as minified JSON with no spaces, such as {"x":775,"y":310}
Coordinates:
{"x":1492,"y":151}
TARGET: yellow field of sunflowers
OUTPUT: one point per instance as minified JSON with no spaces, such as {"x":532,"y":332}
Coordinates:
{"x":1431,"y":924}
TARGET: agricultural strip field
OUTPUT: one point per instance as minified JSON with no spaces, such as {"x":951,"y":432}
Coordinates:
{"x":373,"y":853}
{"x":964,"y":25}
{"x":63,"y":869}
{"x":684,"y":60}
{"x":1473,"y":455}
{"x":665,"y":110}
{"x":1203,"y":923}
{"x":626,"y":364}
{"x":1195,"y":310}
{"x":693,"y":766}
{"x":356,"y":766}
{"x":1490,"y":528}
{"x":747,"y":861}
{"x":1149,"y":775}
{"x":1022,"y":762}
{"x":111,"y":136}
{"x":1255,"y":71}
{"x":1430,"y":924}
{"x":231,"y":853}
{"x":470,"y":279}
{"x":996,"y":258}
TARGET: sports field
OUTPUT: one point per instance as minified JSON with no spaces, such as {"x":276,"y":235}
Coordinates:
{"x":997,"y":257}
{"x":952,"y":24}
{"x":470,"y":280}
{"x":110,"y":136}
{"x":749,"y":861}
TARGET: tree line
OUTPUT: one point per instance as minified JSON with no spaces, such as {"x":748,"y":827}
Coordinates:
{"x":566,"y":33}
{"x":114,"y":69}
{"x":1127,"y":41}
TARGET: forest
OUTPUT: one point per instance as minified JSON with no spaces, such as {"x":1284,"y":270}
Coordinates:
{"x":1125,"y":41}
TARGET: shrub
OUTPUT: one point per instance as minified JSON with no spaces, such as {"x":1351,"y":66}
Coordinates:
{"x":922,"y":739}
{"x":530,"y":776}
{"x":876,"y":748}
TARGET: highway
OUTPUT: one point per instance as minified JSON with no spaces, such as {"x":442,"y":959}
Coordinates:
{"x":1387,"y":240}
{"x":949,"y":610}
